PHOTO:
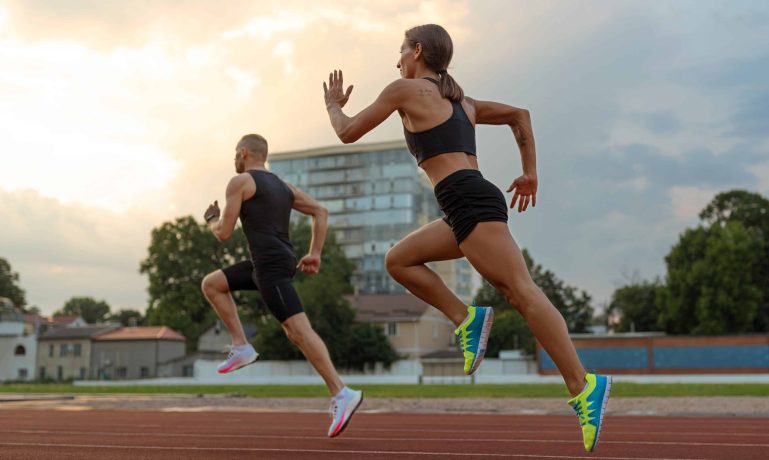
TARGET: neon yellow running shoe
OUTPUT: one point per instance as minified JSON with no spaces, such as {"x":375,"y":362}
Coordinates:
{"x":590,"y":406}
{"x":474,"y":335}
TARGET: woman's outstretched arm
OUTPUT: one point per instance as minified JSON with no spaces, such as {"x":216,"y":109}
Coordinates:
{"x":350,"y":129}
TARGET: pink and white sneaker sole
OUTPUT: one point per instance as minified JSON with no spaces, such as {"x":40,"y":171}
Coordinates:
{"x":345,"y":419}
{"x":238,"y":364}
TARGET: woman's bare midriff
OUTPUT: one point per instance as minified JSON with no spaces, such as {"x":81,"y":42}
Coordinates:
{"x":440,"y":166}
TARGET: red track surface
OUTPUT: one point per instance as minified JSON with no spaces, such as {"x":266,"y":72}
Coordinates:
{"x":109,"y":435}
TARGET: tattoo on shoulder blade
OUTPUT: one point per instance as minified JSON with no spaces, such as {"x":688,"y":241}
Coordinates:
{"x":425,"y":92}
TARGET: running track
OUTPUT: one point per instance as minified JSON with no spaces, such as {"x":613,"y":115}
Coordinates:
{"x":126,"y":434}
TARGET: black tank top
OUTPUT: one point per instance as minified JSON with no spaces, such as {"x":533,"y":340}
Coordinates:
{"x":265,"y":217}
{"x":457,"y":134}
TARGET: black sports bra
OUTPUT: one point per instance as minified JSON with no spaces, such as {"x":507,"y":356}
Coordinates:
{"x":457,"y":134}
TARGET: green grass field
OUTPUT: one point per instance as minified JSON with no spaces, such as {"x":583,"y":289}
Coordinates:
{"x":620,"y":389}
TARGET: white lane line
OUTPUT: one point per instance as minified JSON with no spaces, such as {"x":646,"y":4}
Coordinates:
{"x":576,"y":428}
{"x":368,"y":438}
{"x":331,"y":451}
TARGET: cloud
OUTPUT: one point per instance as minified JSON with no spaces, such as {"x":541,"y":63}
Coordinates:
{"x":687,"y":202}
{"x":62,"y":251}
{"x":761,"y":171}
{"x":751,"y":117}
{"x":662,"y":122}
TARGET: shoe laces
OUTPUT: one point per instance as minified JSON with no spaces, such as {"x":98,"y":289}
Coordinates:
{"x":582,"y":414}
{"x":333,"y":409}
{"x":464,"y":338}
{"x":230,"y":351}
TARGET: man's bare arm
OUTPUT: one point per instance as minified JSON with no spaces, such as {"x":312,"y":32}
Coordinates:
{"x":223,"y":225}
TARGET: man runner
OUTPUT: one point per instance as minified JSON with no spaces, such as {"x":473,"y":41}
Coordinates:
{"x":264,"y":203}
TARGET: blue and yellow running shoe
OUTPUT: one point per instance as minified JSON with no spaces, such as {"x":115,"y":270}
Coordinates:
{"x":590,"y":406}
{"x":474,"y":334}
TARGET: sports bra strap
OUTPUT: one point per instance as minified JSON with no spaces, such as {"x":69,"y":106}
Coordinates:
{"x":432,"y":80}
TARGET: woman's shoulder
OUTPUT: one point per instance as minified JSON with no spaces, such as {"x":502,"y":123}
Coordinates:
{"x":399,"y":85}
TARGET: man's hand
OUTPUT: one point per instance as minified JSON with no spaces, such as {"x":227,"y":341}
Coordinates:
{"x":526,"y":189}
{"x":333,"y":92}
{"x":212,"y":212}
{"x":310,"y":264}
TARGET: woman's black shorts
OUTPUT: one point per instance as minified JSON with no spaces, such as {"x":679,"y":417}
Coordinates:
{"x":277,"y":291}
{"x":466,"y":198}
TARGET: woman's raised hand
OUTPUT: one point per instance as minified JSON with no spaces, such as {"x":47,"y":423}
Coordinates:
{"x":333,"y":92}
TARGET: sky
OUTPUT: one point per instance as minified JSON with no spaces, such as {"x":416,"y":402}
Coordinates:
{"x":116,"y":119}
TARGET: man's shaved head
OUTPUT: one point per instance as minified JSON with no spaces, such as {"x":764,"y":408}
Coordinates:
{"x":255,"y":144}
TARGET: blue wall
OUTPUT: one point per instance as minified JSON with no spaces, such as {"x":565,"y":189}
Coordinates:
{"x":668,"y":357}
{"x":711,"y":356}
{"x":604,"y":358}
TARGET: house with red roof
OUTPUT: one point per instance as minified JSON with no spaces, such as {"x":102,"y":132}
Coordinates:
{"x":134,"y":352}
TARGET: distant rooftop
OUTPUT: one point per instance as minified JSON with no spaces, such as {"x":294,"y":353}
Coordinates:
{"x":58,"y":320}
{"x":64,"y":319}
{"x":76,"y":332}
{"x":339,"y":149}
{"x":387,"y":307}
{"x":141,"y":333}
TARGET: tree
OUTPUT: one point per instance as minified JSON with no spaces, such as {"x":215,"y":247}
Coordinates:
{"x":638,"y":305}
{"x":369,"y":346}
{"x":9,"y":285}
{"x":713,"y":284}
{"x":511,"y":331}
{"x":91,"y":310}
{"x":718,"y":271}
{"x":125,"y":317}
{"x":752,"y":211}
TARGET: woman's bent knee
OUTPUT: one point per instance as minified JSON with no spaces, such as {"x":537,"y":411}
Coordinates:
{"x":392,"y":262}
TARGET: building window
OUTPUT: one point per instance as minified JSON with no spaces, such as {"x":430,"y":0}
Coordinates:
{"x":42,"y":372}
{"x":59,"y":373}
{"x":122,"y":372}
{"x":391,"y":329}
{"x":20,"y":351}
{"x":63,"y":349}
{"x":50,"y":351}
{"x":22,"y":374}
{"x":82,"y":373}
{"x":144,"y":372}
{"x":77,"y":349}
{"x":187,"y":371}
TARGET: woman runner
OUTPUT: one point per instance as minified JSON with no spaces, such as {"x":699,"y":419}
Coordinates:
{"x":439,"y":126}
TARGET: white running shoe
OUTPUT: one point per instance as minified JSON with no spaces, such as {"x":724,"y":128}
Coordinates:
{"x":240,"y":356}
{"x":341,"y":410}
